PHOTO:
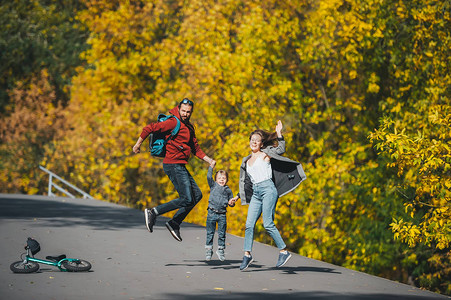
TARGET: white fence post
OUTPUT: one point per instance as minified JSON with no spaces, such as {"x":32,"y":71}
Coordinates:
{"x":59,"y":188}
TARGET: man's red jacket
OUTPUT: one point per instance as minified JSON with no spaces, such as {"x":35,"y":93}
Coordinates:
{"x":178,"y":149}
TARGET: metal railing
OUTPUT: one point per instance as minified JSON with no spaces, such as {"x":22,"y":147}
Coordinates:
{"x":59,"y":188}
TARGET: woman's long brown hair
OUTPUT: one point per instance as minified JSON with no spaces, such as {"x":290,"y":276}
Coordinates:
{"x":268,"y":138}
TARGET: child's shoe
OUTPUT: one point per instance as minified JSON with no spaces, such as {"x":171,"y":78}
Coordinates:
{"x":221,"y":254}
{"x":208,"y":253}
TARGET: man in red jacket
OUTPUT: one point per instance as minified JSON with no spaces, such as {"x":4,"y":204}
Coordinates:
{"x":178,"y":151}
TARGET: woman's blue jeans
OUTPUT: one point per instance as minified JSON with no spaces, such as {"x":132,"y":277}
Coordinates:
{"x":221,"y":220}
{"x":263,"y":201}
{"x":188,"y":190}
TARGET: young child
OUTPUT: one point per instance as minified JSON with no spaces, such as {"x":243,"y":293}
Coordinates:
{"x":221,"y":196}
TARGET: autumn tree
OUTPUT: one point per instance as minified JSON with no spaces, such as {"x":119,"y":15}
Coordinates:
{"x":31,"y":124}
{"x":39,"y":35}
{"x":414,"y":135}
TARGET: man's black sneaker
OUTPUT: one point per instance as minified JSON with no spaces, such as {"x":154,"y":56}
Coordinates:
{"x":150,"y":218}
{"x":174,"y":229}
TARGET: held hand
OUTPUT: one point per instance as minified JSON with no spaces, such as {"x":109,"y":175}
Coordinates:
{"x":279,"y":128}
{"x":213,"y":163}
{"x":233,"y":200}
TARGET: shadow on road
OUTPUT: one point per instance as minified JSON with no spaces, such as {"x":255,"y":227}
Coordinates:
{"x":68,"y":214}
{"x":292,"y":295}
{"x":255,"y":267}
{"x":58,"y":213}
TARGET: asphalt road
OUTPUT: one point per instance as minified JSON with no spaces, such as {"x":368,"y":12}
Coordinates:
{"x":128,"y":262}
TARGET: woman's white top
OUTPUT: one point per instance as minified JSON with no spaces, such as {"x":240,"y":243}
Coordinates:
{"x":260,"y":170}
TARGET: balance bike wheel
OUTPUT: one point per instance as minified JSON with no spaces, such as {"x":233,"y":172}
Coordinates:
{"x":21,"y":267}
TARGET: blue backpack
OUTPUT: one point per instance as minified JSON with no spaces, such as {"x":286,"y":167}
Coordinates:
{"x":157,"y":141}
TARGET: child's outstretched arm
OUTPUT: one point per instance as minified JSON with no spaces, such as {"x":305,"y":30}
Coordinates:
{"x":210,"y":179}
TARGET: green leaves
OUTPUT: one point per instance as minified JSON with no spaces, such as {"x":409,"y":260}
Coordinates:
{"x":37,"y":35}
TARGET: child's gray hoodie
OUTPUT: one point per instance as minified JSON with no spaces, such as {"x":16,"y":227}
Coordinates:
{"x":219,"y":195}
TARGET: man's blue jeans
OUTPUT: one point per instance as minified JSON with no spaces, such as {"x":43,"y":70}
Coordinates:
{"x":212,"y":219}
{"x":189,"y":193}
{"x":264,"y":201}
